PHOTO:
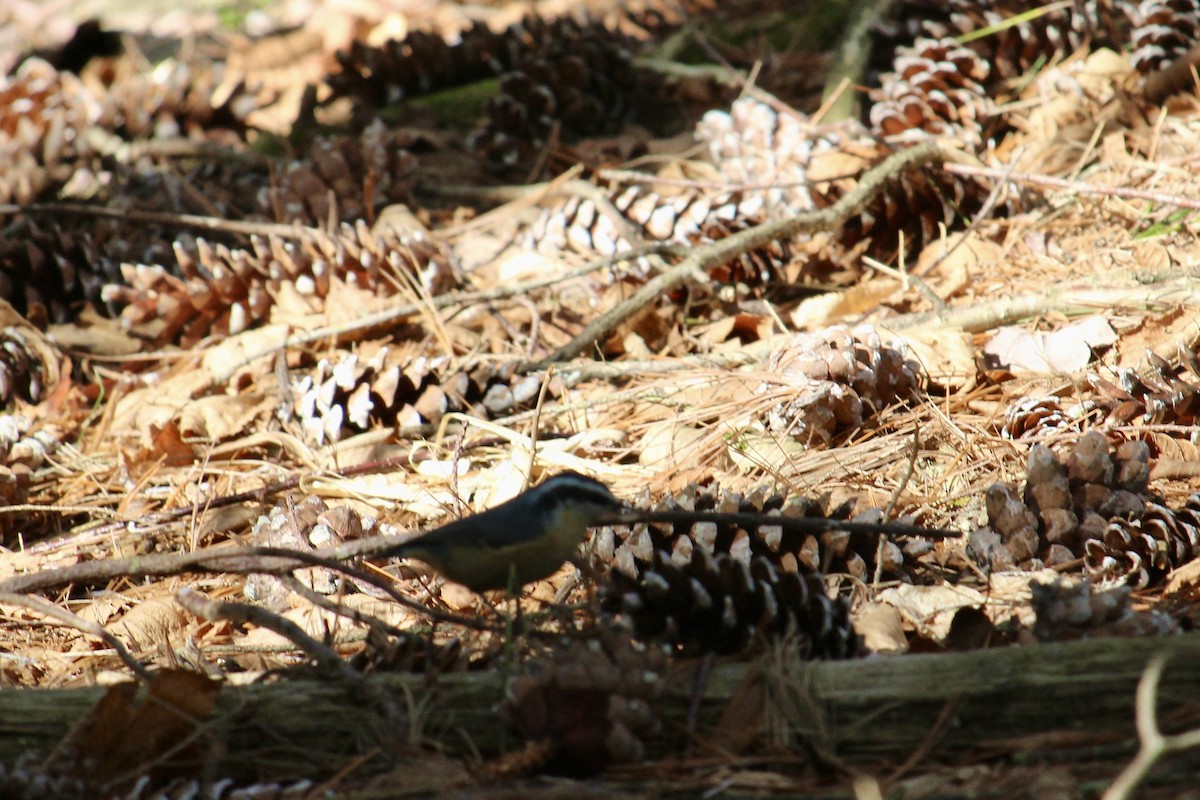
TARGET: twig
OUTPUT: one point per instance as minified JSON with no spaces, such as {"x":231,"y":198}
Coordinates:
{"x":798,"y":524}
{"x":323,"y":601}
{"x":274,"y":560}
{"x":1075,"y":187}
{"x":1152,"y":743}
{"x":1067,"y":300}
{"x":697,"y":264}
{"x":161,"y":518}
{"x":234,"y":560}
{"x":80,"y":624}
{"x":243,"y":613}
{"x":909,"y":467}
{"x":391,"y":315}
{"x":292,"y":231}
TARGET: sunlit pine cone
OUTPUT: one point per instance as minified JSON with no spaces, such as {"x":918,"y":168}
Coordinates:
{"x":780,"y":165}
{"x":228,"y":290}
{"x":174,"y":100}
{"x":632,"y":549}
{"x":1034,"y":418}
{"x":44,"y":115}
{"x":305,"y":526}
{"x":25,"y":443}
{"x":1156,"y":394}
{"x":834,"y":380}
{"x":936,"y":89}
{"x":751,"y":146}
{"x":1083,"y":504}
{"x":1163,"y":31}
{"x":25,"y":446}
{"x":29,"y":362}
{"x":1011,"y":48}
{"x":1144,"y":549}
{"x":754,"y":145}
{"x":686,"y":217}
{"x":399,"y":385}
{"x":593,"y":700}
{"x":929,"y":85}
{"x":338,"y":398}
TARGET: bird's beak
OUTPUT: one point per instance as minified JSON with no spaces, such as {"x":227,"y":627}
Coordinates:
{"x":622,"y":516}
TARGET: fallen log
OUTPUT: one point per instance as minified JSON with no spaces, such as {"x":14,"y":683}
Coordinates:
{"x":872,"y":713}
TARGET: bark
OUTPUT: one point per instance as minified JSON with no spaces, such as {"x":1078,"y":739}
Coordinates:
{"x":873,"y":713}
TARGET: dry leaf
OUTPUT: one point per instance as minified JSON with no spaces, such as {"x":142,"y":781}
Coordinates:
{"x":1068,"y":349}
{"x":930,"y":609}
{"x":949,"y":263}
{"x":222,"y":417}
{"x":669,"y":442}
{"x":149,"y":623}
{"x":143,"y":730}
{"x":167,"y":444}
{"x":947,"y":355}
{"x":880,"y":626}
{"x":825,"y":309}
{"x":95,"y":334}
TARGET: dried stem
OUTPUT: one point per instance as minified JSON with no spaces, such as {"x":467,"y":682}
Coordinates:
{"x":697,"y":264}
{"x":1152,"y":743}
{"x":43,"y":606}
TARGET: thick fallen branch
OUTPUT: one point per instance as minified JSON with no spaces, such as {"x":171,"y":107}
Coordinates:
{"x":871,"y":713}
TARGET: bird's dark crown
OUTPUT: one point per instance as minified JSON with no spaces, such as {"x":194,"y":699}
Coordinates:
{"x":573,"y":488}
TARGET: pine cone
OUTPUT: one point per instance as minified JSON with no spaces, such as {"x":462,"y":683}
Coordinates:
{"x":715,"y":587}
{"x":579,"y":78}
{"x":341,"y":174}
{"x":1035,"y":418}
{"x":224,"y":290}
{"x":1163,"y":31}
{"x":593,"y":700}
{"x":834,"y":380}
{"x":304,"y":526}
{"x":44,"y":115}
{"x":1154,"y":395}
{"x":1093,"y":505}
{"x":1145,"y":548}
{"x":1067,"y":612}
{"x":401,"y":386}
{"x":721,"y":604}
{"x":937,"y":88}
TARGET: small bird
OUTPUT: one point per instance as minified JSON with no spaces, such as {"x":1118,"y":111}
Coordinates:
{"x":520,"y":541}
{"x":530,"y":536}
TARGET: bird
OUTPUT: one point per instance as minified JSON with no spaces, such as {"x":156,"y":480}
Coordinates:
{"x":530,"y":536}
{"x":519,"y":541}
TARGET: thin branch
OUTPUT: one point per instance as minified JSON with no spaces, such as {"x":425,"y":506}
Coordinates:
{"x":391,"y":315}
{"x":700,"y":260}
{"x":1075,"y":187}
{"x":43,"y":606}
{"x":205,"y":607}
{"x":1152,"y":743}
{"x":277,"y":560}
{"x":293,"y":231}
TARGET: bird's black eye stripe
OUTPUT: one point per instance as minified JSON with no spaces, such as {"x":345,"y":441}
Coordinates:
{"x":576,"y":489}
